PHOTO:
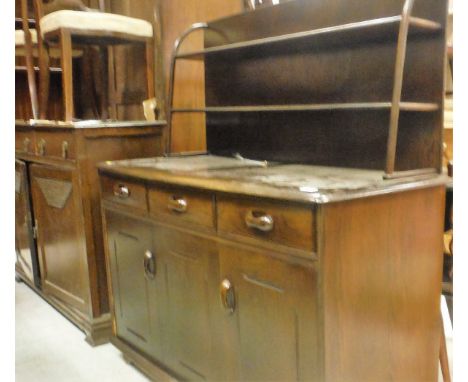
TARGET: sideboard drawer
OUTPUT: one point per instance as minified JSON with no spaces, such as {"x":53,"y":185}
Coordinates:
{"x":181,"y":205}
{"x":24,"y":141}
{"x":124,"y":192}
{"x":287,"y":224}
{"x":57,"y":144}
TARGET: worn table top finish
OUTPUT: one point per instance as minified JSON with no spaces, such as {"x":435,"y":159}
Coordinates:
{"x":293,"y":182}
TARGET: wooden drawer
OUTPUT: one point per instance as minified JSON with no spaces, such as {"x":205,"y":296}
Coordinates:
{"x":287,"y":224}
{"x":182,"y":206}
{"x":57,"y":144}
{"x":24,"y":141}
{"x":124,"y":192}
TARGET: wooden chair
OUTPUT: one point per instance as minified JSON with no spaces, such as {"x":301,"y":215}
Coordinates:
{"x":80,"y":25}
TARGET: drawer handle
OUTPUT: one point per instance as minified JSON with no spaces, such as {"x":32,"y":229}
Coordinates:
{"x":259,"y":220}
{"x":26,"y":144}
{"x":177,"y":204}
{"x":228,"y":297}
{"x":121,"y":191}
{"x":149,"y":264}
{"x":42,"y":147}
{"x":64,"y":149}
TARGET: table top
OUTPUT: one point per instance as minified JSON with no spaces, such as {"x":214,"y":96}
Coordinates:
{"x":294,"y":182}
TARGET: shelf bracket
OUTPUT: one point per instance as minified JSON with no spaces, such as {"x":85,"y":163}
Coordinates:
{"x":175,"y":51}
{"x":195,"y":27}
{"x":397,"y":87}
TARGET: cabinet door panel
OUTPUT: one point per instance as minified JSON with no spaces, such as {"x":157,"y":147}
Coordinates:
{"x":273,"y":327}
{"x":61,"y":237}
{"x":190,"y":266}
{"x":24,"y":239}
{"x":136,"y":297}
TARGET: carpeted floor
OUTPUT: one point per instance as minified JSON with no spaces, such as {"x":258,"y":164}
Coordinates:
{"x":49,"y":348}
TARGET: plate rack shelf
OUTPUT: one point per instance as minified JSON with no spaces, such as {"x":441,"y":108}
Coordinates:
{"x":296,"y":93}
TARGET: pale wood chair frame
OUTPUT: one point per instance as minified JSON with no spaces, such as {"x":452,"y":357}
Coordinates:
{"x":64,"y":38}
{"x":28,"y":48}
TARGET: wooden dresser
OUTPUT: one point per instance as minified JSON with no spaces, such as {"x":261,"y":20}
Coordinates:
{"x":59,"y":242}
{"x":307,"y":245}
{"x":220,"y":271}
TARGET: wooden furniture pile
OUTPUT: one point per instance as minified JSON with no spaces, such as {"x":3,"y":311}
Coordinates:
{"x":59,"y":242}
{"x":307,"y":244}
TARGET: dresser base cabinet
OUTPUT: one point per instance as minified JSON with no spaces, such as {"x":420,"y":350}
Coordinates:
{"x":59,"y":243}
{"x":359,"y":301}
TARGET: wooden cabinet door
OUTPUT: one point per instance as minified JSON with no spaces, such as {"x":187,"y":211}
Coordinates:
{"x":191,"y":266}
{"x":136,"y":280}
{"x":60,"y":234}
{"x":270,"y":317}
{"x":24,"y":237}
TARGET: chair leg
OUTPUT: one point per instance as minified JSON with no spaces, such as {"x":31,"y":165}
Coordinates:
{"x":67,"y":73}
{"x":443,"y":356}
{"x":44,"y":81}
{"x":103,"y":66}
{"x":111,"y":80}
{"x":150,"y":68}
{"x":31,"y":80}
{"x":29,"y":60}
{"x":88,"y":95}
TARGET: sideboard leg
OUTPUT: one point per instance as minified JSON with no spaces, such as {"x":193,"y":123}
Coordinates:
{"x":443,"y":356}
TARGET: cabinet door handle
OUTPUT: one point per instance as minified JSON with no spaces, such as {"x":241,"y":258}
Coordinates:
{"x":26,"y":144}
{"x":177,"y":204}
{"x":259,"y":220}
{"x":228,"y":297}
{"x":121,"y":191}
{"x":64,"y":149}
{"x":41,"y":147}
{"x":149,"y":263}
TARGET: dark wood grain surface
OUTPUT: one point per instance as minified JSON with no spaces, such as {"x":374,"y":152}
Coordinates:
{"x":381,"y":275}
{"x":371,"y":290}
{"x":332,"y":77}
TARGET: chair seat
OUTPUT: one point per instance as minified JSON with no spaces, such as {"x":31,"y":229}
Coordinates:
{"x":20,"y":49}
{"x":95,"y":22}
{"x":19,"y":37}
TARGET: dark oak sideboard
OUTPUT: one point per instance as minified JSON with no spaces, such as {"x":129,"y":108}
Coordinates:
{"x":222,"y":269}
{"x":59,"y":242}
{"x":321,"y":261}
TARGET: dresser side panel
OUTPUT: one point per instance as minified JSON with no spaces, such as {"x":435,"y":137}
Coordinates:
{"x":381,"y":263}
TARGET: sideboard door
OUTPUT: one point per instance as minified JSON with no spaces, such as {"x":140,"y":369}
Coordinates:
{"x":137,"y":279}
{"x":60,"y":234}
{"x":271,"y":323}
{"x":191,"y":265}
{"x":25,"y":243}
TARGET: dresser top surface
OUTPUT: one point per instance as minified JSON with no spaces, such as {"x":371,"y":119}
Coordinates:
{"x":86,"y":124}
{"x":293,"y":182}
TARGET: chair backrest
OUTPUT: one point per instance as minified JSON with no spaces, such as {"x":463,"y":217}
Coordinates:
{"x":44,"y":7}
{"x":28,"y":49}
